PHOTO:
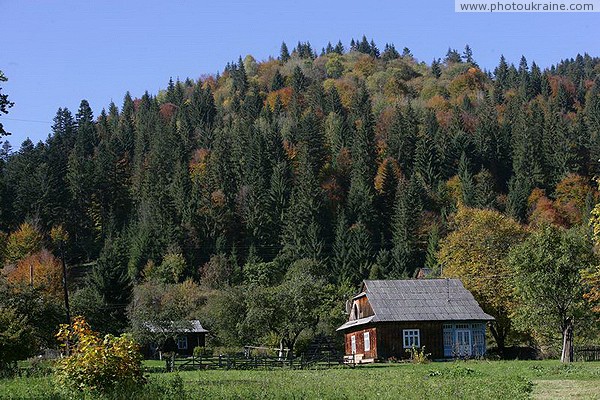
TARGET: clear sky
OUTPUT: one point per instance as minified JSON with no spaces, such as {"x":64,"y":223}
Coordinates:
{"x":56,"y":53}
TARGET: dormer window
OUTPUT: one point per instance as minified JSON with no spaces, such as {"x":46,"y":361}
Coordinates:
{"x":355,"y":312}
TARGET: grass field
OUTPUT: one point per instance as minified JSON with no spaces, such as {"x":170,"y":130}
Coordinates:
{"x":451,"y":380}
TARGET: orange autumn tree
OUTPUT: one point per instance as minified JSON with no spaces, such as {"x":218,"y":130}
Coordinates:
{"x":40,"y":270}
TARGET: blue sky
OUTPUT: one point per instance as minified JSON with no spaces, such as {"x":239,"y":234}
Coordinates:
{"x":56,"y":53}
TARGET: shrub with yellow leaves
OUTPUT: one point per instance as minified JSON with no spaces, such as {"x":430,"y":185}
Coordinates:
{"x":97,"y":364}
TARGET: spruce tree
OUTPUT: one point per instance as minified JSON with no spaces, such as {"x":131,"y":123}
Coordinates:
{"x":436,"y":69}
{"x":277,"y":82}
{"x":501,"y":80}
{"x":405,"y":225}
{"x":485,"y":196}
{"x":299,"y":80}
{"x":431,"y":259}
{"x":284,"y":54}
{"x":361,"y":252}
{"x":592,"y":119}
{"x":468,"y":56}
{"x":110,"y":281}
{"x":342,"y":265}
{"x":519,"y":189}
{"x":403,"y":139}
{"x":390,"y":53}
{"x":427,"y":164}
{"x":467,"y":186}
{"x":304,"y":217}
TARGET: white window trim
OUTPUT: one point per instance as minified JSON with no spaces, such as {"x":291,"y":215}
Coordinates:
{"x":353,"y":344}
{"x":182,"y":343}
{"x":367,"y":341}
{"x":410,"y":338}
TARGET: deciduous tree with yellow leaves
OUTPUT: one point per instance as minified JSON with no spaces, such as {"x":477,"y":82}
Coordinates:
{"x":474,"y":252}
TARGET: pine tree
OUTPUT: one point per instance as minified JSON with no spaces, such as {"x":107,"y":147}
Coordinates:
{"x":452,"y":57}
{"x":405,"y":224}
{"x":403,"y":139}
{"x":386,"y":184}
{"x":110,"y":281}
{"x":526,"y":88}
{"x":592,"y":119}
{"x":427,"y":164}
{"x":59,"y":145}
{"x":361,"y":196}
{"x":277,"y":82}
{"x":536,"y":80}
{"x":467,"y":186}
{"x":80,"y":178}
{"x":5,"y":104}
{"x":299,"y":80}
{"x":361,"y":252}
{"x":519,"y":189}
{"x":468,"y":56}
{"x":431,"y":259}
{"x":342,"y":259}
{"x":302,"y":231}
{"x":328,"y":49}
{"x":501,"y":83}
{"x":284,"y":54}
{"x":382,"y":266}
{"x":485,"y":197}
{"x":390,"y":53}
{"x":436,"y":69}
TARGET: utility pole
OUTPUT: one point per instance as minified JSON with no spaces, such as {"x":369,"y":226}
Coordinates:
{"x":66,"y":291}
{"x":64,"y":281}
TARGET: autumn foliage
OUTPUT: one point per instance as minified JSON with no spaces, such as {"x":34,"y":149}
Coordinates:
{"x":97,"y":364}
{"x":40,"y":270}
{"x":23,"y":242}
{"x":474,"y":252}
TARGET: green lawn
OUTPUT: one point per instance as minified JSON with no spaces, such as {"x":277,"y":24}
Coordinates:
{"x":451,"y":380}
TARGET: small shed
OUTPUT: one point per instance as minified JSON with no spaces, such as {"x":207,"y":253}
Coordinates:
{"x":180,"y":338}
{"x":390,"y":316}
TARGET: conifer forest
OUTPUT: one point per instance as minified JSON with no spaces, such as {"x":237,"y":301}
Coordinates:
{"x":257,"y":199}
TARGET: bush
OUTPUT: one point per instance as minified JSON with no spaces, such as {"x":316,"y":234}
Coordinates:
{"x":98,"y":364}
{"x":200,"y":351}
{"x":16,"y":340}
{"x":418,"y":356}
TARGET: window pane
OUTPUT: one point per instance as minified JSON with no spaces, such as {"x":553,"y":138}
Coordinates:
{"x":411,"y":338}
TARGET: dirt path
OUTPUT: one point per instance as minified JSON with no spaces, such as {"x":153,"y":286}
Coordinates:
{"x":566,"y":389}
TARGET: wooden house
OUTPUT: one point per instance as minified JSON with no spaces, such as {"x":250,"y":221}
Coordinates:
{"x":390,"y":317}
{"x":180,"y":338}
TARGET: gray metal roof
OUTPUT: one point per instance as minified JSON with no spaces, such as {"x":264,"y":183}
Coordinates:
{"x":419,"y":300}
{"x":192,"y":326}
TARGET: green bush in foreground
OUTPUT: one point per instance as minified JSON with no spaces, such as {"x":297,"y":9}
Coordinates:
{"x":98,"y":364}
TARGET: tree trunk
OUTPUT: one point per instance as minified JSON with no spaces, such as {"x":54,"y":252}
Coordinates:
{"x":567,"y":350}
{"x":500,"y":338}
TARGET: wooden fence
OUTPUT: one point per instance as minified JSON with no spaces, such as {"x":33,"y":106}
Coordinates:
{"x":587,"y":353}
{"x":240,"y":361}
